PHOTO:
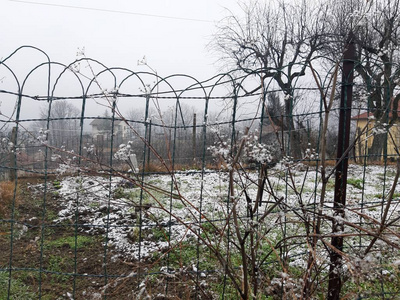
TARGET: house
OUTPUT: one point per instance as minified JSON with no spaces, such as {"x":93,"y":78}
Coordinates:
{"x":366,"y":126}
{"x":103,"y":127}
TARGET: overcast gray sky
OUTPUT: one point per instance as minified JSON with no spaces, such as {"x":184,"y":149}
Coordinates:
{"x":172,"y":34}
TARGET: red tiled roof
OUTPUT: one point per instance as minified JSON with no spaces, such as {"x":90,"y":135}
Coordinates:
{"x":363,"y":116}
{"x":366,"y":115}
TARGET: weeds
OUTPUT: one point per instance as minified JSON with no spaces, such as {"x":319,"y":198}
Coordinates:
{"x":9,"y":196}
{"x":18,"y":290}
{"x":69,"y":241}
{"x":358,"y":183}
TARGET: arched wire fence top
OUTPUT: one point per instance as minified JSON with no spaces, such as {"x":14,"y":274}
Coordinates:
{"x":18,"y":52}
{"x":14,"y":76}
{"x":19,"y":49}
{"x":202,"y":85}
{"x":125,"y":183}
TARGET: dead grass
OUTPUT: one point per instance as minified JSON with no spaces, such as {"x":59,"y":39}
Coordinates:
{"x":160,"y":168}
{"x":154,"y":167}
{"x":7,"y":195}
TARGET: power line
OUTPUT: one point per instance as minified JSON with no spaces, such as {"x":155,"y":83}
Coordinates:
{"x":114,"y":11}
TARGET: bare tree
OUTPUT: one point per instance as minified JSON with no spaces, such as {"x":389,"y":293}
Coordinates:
{"x":278,"y":39}
{"x":376,"y":29}
{"x":380,"y":54}
{"x":64,"y":122}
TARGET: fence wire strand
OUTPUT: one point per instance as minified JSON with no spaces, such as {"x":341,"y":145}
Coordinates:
{"x":111,"y":193}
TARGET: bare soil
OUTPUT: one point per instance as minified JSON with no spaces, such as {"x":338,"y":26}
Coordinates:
{"x":39,"y":259}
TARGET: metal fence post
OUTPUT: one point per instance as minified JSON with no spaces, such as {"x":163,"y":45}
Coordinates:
{"x":194,"y":139}
{"x":13,"y":154}
{"x":335,"y":280}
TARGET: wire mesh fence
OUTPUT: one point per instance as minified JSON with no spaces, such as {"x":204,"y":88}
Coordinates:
{"x":120,"y":184}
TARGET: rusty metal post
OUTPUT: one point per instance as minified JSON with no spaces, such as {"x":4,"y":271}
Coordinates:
{"x":335,"y":280}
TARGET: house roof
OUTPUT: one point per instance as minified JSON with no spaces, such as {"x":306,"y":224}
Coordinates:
{"x":363,"y":116}
{"x":97,"y":122}
{"x":270,"y":128}
{"x":366,"y":115}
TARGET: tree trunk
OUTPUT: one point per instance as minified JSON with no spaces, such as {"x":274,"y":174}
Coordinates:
{"x":295,"y":144}
{"x":294,"y":136}
{"x":375,"y":152}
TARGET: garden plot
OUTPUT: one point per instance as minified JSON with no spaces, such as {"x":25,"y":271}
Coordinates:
{"x":124,"y":211}
{"x":168,"y":208}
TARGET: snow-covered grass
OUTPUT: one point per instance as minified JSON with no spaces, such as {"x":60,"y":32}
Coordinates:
{"x":102,"y":202}
{"x":191,"y":210}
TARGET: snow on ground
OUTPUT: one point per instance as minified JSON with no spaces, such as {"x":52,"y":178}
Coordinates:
{"x":116,"y":208}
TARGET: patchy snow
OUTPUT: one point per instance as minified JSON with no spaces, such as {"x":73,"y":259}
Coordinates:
{"x":138,"y":224}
